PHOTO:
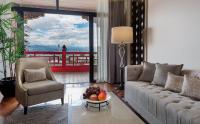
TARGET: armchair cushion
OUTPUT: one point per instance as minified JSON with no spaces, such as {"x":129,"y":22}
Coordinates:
{"x":32,"y":75}
{"x":41,"y":87}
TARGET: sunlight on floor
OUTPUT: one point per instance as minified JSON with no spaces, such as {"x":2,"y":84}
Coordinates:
{"x":72,"y":77}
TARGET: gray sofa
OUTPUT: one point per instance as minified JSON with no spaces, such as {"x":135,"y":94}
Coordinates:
{"x":159,"y":106}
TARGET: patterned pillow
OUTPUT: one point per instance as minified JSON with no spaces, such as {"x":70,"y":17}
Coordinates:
{"x":148,"y":72}
{"x":32,"y":75}
{"x":174,"y":82}
{"x":191,"y":87}
{"x":161,"y":73}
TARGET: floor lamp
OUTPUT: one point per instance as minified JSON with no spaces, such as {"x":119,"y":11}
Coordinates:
{"x":122,"y":35}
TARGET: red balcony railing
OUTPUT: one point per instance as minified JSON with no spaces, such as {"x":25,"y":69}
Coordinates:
{"x":65,"y":61}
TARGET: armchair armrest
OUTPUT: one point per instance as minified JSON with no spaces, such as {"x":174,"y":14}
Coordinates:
{"x":49,"y":74}
{"x":20,"y":92}
{"x":132,"y":72}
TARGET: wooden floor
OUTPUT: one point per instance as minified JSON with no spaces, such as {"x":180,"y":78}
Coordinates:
{"x":72,"y":77}
{"x":8,"y":105}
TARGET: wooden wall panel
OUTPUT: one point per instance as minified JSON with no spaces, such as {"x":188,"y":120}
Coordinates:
{"x":138,"y":23}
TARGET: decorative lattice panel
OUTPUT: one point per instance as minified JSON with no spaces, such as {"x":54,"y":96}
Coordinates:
{"x":138,"y":23}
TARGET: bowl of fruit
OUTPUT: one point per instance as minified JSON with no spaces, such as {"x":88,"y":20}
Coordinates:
{"x":95,"y":94}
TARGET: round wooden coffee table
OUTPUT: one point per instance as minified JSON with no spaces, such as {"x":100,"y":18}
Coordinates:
{"x":97,"y":104}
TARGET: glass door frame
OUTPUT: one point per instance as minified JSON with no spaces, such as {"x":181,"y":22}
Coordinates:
{"x":91,"y":15}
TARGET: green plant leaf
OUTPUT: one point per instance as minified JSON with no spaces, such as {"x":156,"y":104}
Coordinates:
{"x":12,"y":46}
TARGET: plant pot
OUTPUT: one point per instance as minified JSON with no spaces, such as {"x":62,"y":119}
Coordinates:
{"x":7,"y":87}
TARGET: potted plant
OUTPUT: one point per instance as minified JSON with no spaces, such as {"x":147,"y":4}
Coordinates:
{"x":11,"y":47}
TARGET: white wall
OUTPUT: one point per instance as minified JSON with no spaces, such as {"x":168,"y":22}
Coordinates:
{"x":174,"y":32}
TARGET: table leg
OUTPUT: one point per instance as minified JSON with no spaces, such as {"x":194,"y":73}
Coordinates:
{"x":99,"y":107}
{"x":86,"y":105}
{"x":107,"y":103}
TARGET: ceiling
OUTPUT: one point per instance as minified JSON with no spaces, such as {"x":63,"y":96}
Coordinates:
{"x":83,"y":5}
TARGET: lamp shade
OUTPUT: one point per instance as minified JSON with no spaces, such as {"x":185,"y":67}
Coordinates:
{"x":122,"y":35}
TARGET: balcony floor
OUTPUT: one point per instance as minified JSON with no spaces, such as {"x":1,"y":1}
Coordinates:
{"x":72,"y":77}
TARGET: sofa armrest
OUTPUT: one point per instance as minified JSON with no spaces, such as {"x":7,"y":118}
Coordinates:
{"x":132,"y":72}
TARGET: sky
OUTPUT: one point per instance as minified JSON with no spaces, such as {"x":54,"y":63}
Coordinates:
{"x":54,"y":29}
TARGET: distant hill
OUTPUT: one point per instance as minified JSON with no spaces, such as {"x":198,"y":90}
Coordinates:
{"x":55,"y":48}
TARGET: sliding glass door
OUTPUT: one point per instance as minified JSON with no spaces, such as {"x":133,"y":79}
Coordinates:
{"x":66,"y":41}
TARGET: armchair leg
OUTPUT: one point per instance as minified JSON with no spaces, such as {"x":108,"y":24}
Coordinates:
{"x":25,"y":110}
{"x":62,"y":101}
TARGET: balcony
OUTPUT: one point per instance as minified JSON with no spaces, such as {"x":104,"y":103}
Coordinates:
{"x":45,"y":35}
{"x":65,"y":61}
{"x":69,"y":67}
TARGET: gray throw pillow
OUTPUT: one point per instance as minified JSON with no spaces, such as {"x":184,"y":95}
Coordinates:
{"x":191,"y":87}
{"x":148,"y":72}
{"x":174,"y":82}
{"x":133,"y":72}
{"x":161,"y":73}
{"x":32,"y":75}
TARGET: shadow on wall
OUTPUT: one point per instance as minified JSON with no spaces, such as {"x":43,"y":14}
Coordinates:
{"x":149,"y":36}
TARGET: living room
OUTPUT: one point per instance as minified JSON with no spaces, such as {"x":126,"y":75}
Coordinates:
{"x":132,"y":62}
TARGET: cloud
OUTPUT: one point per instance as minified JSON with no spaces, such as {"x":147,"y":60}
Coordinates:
{"x":53,"y":29}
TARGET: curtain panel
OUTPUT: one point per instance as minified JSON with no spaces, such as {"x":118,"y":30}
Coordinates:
{"x":117,"y":17}
{"x":110,"y":13}
{"x":102,"y":35}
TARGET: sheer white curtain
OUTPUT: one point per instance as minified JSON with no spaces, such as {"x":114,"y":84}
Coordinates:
{"x":102,"y":39}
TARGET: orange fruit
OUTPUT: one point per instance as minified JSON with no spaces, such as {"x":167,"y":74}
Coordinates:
{"x":102,"y":96}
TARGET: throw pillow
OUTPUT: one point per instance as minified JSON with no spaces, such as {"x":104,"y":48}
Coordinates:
{"x":191,"y":87}
{"x":174,"y":82}
{"x":161,"y":72}
{"x":133,"y":72}
{"x":148,"y":72}
{"x":32,"y":75}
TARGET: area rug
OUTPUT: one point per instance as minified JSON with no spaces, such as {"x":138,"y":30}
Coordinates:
{"x":46,"y":114}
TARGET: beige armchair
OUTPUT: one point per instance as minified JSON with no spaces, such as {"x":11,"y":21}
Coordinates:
{"x":36,"y":92}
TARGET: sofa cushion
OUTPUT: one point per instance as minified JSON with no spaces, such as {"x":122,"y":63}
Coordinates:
{"x":161,"y":73}
{"x":166,"y":106}
{"x":139,"y":91}
{"x":148,"y":72}
{"x":183,"y":111}
{"x":32,"y":75}
{"x":41,"y":87}
{"x":191,"y":87}
{"x":134,"y":91}
{"x":174,"y":82}
{"x":133,"y":72}
{"x":170,"y":107}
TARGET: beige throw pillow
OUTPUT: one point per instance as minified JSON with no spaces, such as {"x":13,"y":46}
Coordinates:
{"x":174,"y":82}
{"x":191,"y":87}
{"x":32,"y":75}
{"x":161,"y":73}
{"x":148,"y":72}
